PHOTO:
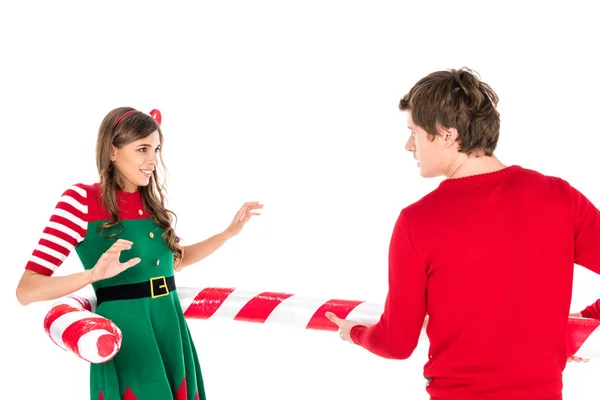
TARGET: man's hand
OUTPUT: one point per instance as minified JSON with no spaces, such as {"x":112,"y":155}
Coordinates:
{"x":344,"y":325}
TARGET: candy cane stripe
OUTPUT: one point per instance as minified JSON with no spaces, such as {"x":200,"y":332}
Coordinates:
{"x":260,"y":307}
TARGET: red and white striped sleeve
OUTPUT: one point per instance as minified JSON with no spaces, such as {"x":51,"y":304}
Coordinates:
{"x":66,"y":228}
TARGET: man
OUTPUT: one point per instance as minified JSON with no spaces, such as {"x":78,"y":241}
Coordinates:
{"x":488,"y":255}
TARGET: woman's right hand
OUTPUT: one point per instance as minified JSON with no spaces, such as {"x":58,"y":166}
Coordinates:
{"x":108,"y":265}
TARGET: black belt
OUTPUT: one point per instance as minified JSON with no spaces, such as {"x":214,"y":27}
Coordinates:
{"x":155,"y":287}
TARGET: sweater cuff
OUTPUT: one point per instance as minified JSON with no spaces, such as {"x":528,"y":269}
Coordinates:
{"x":591,"y":311}
{"x":356,"y":333}
{"x":587,"y":313}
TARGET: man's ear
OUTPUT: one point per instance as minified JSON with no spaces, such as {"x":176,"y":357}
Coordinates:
{"x":449,"y":136}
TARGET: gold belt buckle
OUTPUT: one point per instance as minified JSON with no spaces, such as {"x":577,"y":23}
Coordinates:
{"x":162,"y":286}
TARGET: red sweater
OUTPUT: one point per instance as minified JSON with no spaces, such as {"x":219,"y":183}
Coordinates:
{"x":490,"y":259}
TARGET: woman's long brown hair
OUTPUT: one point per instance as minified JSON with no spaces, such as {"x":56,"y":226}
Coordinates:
{"x":134,"y":126}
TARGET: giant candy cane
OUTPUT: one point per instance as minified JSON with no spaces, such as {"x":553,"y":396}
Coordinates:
{"x":96,"y":339}
{"x":73,"y":326}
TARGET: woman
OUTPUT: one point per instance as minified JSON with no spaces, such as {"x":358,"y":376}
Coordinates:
{"x":488,"y":255}
{"x":126,"y":241}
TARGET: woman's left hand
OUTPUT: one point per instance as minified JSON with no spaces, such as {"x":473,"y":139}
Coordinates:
{"x":243,"y":216}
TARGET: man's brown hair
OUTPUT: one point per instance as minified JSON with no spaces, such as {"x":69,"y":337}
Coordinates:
{"x":456,"y":99}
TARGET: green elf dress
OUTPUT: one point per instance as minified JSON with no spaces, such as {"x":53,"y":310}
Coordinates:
{"x":157,"y":359}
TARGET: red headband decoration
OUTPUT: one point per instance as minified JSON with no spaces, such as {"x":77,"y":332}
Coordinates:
{"x":154,"y":114}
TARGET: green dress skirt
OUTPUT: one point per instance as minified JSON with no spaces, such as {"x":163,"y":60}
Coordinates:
{"x":157,"y":359}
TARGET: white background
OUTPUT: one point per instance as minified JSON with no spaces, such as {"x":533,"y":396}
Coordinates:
{"x":293,"y":103}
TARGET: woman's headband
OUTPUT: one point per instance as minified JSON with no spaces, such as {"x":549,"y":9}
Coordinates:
{"x":154,"y":114}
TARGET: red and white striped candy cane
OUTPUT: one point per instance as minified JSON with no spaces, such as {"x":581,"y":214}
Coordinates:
{"x":73,"y":326}
{"x":583,"y":335}
{"x":273,"y":308}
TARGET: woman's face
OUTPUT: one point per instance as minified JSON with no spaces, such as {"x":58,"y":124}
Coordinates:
{"x":136,"y":161}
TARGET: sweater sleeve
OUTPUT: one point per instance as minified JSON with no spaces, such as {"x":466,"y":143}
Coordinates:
{"x":397,"y":333}
{"x":586,"y":229}
{"x":66,"y":228}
